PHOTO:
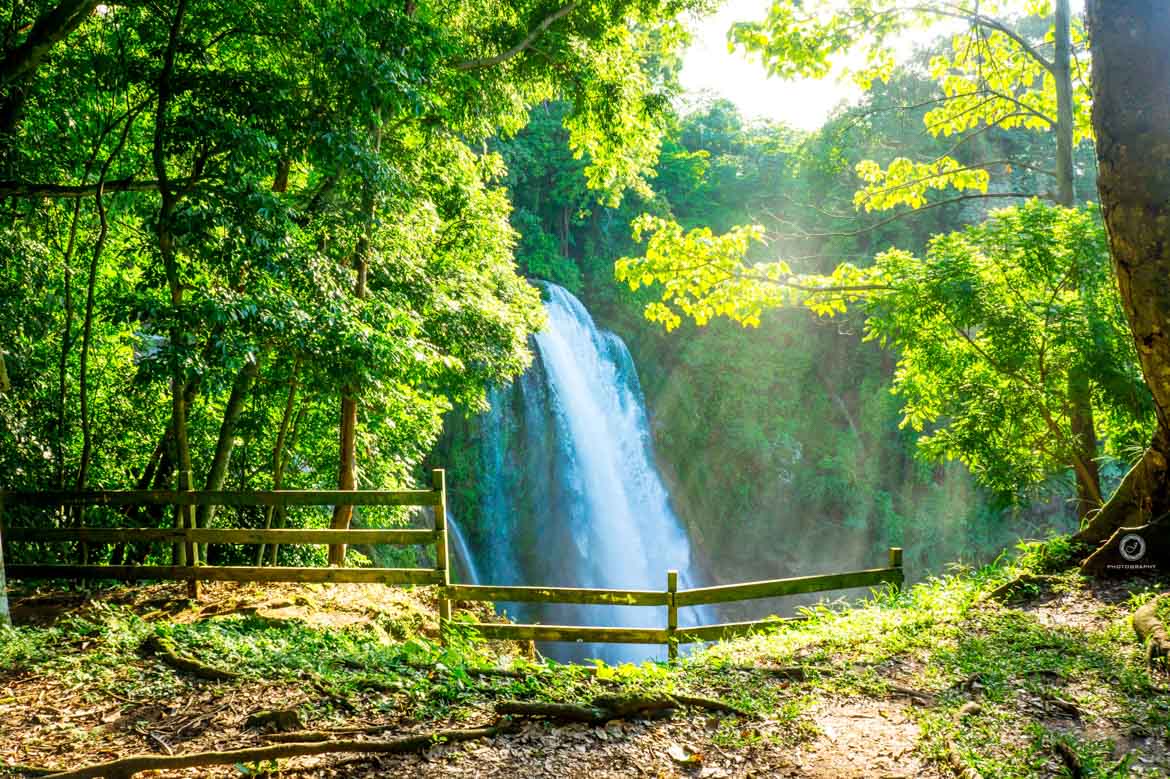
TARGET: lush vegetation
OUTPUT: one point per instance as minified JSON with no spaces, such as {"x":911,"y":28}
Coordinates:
{"x":261,"y":245}
{"x":240,"y":261}
{"x":268,"y":244}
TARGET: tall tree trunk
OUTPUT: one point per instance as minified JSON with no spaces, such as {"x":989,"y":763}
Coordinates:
{"x":347,"y":437}
{"x":90,"y":294}
{"x":278,"y":456}
{"x":66,"y":346}
{"x":217,"y":472}
{"x":1080,"y":390}
{"x":1131,"y":115}
{"x":185,"y":516}
{"x":86,"y":341}
{"x":1084,"y":434}
{"x":5,"y":617}
{"x":347,"y":427}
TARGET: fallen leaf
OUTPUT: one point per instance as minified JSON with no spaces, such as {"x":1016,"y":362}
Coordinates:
{"x":684,"y":754}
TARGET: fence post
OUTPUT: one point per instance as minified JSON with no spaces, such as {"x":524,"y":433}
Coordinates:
{"x":5,"y":617}
{"x":896,"y":562}
{"x":671,"y":615}
{"x":192,"y":550}
{"x":439,"y":483}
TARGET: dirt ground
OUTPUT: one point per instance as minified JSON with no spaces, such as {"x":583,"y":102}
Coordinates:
{"x":69,"y":719}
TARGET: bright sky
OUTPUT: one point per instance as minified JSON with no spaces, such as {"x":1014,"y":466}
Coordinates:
{"x":709,"y":67}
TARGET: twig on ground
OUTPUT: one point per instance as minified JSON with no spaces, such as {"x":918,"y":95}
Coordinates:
{"x":164,"y":650}
{"x":1071,"y":760}
{"x":128,"y":766}
{"x":1008,"y":589}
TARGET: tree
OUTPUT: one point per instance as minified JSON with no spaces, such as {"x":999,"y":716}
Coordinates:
{"x":996,"y":77}
{"x":998,"y":74}
{"x":261,"y":197}
{"x":989,"y":327}
{"x":1131,"y":115}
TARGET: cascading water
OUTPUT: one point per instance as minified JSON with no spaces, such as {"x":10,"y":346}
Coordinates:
{"x":568,"y":491}
{"x":465,"y":567}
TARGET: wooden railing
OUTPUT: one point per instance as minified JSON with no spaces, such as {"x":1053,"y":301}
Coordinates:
{"x":188,"y":537}
{"x":672,"y":598}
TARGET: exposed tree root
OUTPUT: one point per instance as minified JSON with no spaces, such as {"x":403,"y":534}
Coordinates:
{"x":918,"y":696}
{"x":796,"y":673}
{"x":164,"y":650}
{"x":297,"y":736}
{"x":1071,"y":761}
{"x":609,"y":707}
{"x":565,"y":712}
{"x":1154,"y":550}
{"x":128,"y":766}
{"x":710,"y":704}
{"x":960,"y":768}
{"x":29,"y":770}
{"x":1142,"y":494}
{"x":504,"y":673}
{"x":277,"y":719}
{"x":1151,"y":631}
{"x":1009,"y":589}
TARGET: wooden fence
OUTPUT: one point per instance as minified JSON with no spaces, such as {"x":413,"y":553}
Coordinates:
{"x":187,"y":536}
{"x":672,"y":598}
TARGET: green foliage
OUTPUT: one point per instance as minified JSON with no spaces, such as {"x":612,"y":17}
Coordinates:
{"x":990,"y":326}
{"x":336,"y":222}
{"x":997,"y":72}
{"x":785,"y":430}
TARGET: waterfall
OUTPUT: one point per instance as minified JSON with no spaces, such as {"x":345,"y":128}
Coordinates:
{"x":569,"y":494}
{"x":464,"y":560}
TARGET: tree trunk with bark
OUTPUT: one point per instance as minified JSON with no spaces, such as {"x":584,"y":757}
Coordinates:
{"x":5,"y":617}
{"x":1131,"y":116}
{"x":19,"y":65}
{"x":225,"y":443}
{"x":347,"y":444}
{"x":184,"y":515}
{"x":1080,"y":389}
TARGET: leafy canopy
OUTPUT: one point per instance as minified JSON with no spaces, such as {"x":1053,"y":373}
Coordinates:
{"x":989,"y":326}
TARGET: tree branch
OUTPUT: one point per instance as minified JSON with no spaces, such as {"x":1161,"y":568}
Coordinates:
{"x":545,"y":23}
{"x":903,"y":214}
{"x":50,"y":28}
{"x":128,"y":766}
{"x":976,"y":18}
{"x":941,"y":174}
{"x":33,"y":189}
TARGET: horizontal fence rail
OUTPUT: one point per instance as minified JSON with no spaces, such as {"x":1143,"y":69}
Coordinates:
{"x":797,"y":586}
{"x":216,"y":535}
{"x":557,"y":595}
{"x":511,"y":632}
{"x":188,"y":537}
{"x":671,"y":597}
{"x":229,"y":573}
{"x":207,"y":498}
